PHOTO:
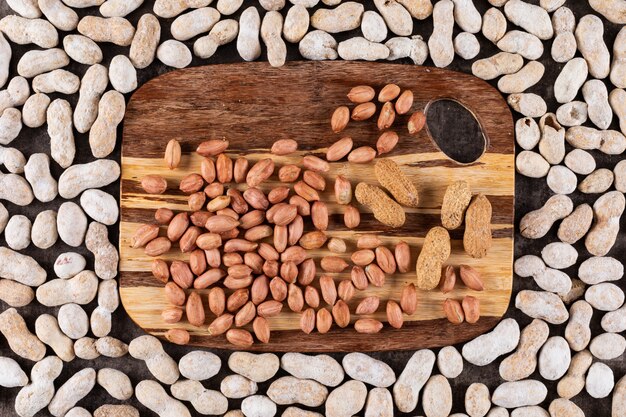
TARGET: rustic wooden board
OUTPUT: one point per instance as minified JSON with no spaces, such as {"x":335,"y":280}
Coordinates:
{"x":252,"y":105}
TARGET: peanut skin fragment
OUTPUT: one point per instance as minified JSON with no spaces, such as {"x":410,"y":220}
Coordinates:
{"x":435,"y":252}
{"x":384,"y":208}
{"x":455,"y":201}
{"x":477,"y":237}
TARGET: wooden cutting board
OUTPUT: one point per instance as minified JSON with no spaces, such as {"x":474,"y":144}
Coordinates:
{"x":252,"y":105}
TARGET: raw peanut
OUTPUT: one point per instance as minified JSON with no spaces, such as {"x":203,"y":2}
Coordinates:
{"x":404,"y":102}
{"x":394,"y":314}
{"x":191,"y":183}
{"x":361,"y":94}
{"x":307,"y":272}
{"x":278,"y":288}
{"x":261,"y":329}
{"x":177,"y":336}
{"x":207,"y":170}
{"x":256,"y":198}
{"x":240,"y":170}
{"x":268,"y":252}
{"x":362,"y":155}
{"x":368,"y":326}
{"x":345,"y":290}
{"x":333,"y":264}
{"x":319,"y":215}
{"x":315,"y":180}
{"x":221,"y":223}
{"x":251,"y":219}
{"x":339,"y":149}
{"x":270,"y":268}
{"x":269,"y":214}
{"x":477,"y":236}
{"x":453,"y":311}
{"x":196,"y":201}
{"x":341,"y":313}
{"x":403,"y":257}
{"x":363,"y":111}
{"x":214,"y":257}
{"x":218,"y":203}
{"x":295,"y":298}
{"x":295,"y":230}
{"x":289,"y":173}
{"x":258,"y":233}
{"x":408,"y":299}
{"x":158,"y":246}
{"x":386,"y":117}
{"x":237,"y":202}
{"x":181,"y":274}
{"x":212,"y":147}
{"x":311,"y":296}
{"x":448,"y":279}
{"x":363,"y":257}
{"x":143,"y":235}
{"x":164,"y":216}
{"x":416,"y":122}
{"x":284,"y":147}
{"x":175,"y":295}
{"x":471,"y":278}
{"x":283,"y":215}
{"x":385,"y":260}
{"x":435,"y":251}
{"x":391,"y":177}
{"x":388,"y":92}
{"x":305,"y":191}
{"x":375,"y":275}
{"x":313,"y":240}
{"x":385,"y":210}
{"x":368,"y":305}
{"x":471,"y":309}
{"x":260,"y":172}
{"x":269,"y":308}
{"x":315,"y":164}
{"x":307,"y":321}
{"x":281,"y":238}
{"x":224,"y":168}
{"x":232,"y":259}
{"x":154,"y":184}
{"x":289,"y":272}
{"x":254,"y":261}
{"x":197,"y":262}
{"x":172,"y":154}
{"x":194,"y":309}
{"x":351,"y":217}
{"x":294,"y":254}
{"x":455,"y":201}
{"x":368,"y":241}
{"x":209,"y":278}
{"x":340,"y":118}
{"x":239,"y":271}
{"x":217,"y":301}
{"x":358,"y":277}
{"x":221,"y":325}
{"x":324,"y":320}
{"x":172,"y":315}
{"x":239,"y":337}
{"x":328,"y":289}
{"x":278,"y":194}
{"x":214,"y":190}
{"x":343,"y":190}
{"x":337,"y":245}
{"x":237,"y":299}
{"x":260,"y":289}
{"x":160,"y":270}
{"x":386,"y":142}
{"x":245,"y":315}
{"x":188,"y":240}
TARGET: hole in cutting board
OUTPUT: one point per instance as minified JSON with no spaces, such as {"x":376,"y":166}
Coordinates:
{"x":455,"y":130}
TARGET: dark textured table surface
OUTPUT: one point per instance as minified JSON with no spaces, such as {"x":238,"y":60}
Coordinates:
{"x":531,"y":193}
